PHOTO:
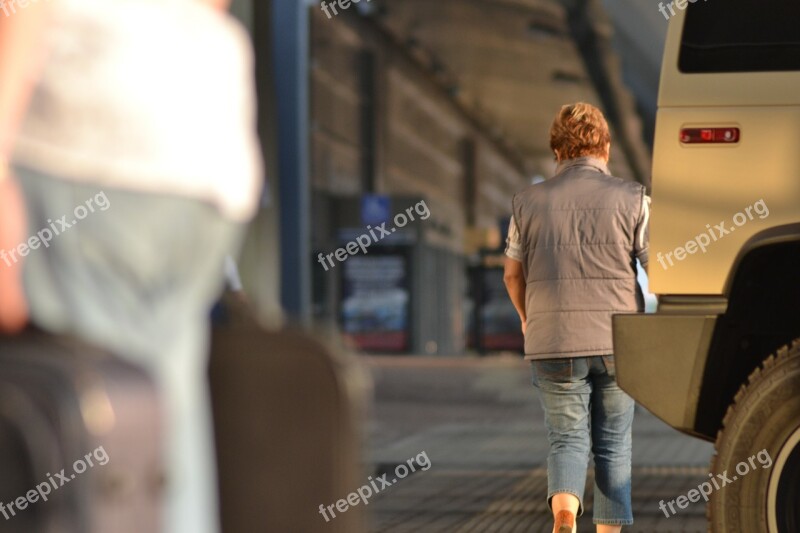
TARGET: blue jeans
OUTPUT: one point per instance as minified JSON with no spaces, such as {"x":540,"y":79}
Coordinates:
{"x":585,"y":410}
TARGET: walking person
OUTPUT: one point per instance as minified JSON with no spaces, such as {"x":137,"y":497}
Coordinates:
{"x":149,"y":104}
{"x":570,"y":265}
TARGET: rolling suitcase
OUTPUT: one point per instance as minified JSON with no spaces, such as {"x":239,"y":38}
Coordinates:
{"x":288,"y":412}
{"x":80,"y":440}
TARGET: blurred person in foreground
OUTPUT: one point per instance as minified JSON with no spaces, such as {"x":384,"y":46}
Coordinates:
{"x":570,"y":265}
{"x":151,"y":103}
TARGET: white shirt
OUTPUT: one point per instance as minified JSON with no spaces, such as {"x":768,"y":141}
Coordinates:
{"x":232,"y":278}
{"x":150,"y":95}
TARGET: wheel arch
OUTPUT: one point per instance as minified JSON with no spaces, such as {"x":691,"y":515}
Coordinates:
{"x":762,"y":291}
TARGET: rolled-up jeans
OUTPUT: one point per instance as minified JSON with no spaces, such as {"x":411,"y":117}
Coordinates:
{"x":136,"y":273}
{"x":586,"y":411}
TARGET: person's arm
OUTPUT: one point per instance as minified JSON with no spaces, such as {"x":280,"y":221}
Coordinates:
{"x":13,"y":309}
{"x":514,"y":275}
{"x":514,"y":278}
{"x":21,"y":55}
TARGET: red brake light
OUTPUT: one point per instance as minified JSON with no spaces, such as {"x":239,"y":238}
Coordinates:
{"x":710,"y":135}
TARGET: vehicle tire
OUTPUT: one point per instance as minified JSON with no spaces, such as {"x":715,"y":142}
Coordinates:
{"x":764,"y":494}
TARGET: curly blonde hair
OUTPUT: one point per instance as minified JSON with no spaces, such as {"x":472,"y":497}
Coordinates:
{"x":579,"y":130}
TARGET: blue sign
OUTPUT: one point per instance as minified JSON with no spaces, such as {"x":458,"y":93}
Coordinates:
{"x":375,"y":209}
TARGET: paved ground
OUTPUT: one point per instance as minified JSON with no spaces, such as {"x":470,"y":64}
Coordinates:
{"x":481,"y":427}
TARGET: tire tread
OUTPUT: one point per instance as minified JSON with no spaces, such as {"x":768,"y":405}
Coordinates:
{"x":765,"y":372}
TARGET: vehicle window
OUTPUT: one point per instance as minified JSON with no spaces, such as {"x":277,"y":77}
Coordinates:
{"x":741,"y":36}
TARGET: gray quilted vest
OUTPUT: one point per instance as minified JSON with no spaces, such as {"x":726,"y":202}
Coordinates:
{"x":577,"y":231}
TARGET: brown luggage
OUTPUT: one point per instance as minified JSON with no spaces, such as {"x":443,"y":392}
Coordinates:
{"x":288,"y":409}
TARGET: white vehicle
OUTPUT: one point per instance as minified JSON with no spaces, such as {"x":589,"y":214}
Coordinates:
{"x":720,"y":359}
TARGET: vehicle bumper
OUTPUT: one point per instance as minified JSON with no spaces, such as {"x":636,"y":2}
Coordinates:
{"x":661,"y":361}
